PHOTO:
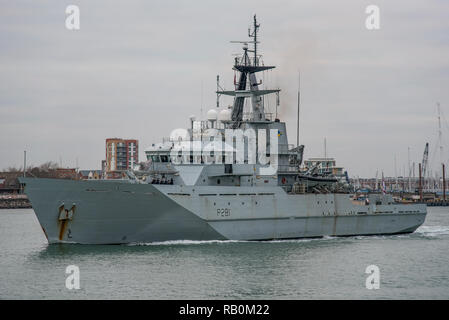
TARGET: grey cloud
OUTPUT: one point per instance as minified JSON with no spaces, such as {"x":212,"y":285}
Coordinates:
{"x":135,"y":69}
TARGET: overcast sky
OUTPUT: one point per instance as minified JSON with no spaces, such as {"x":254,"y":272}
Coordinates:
{"x":137,"y":69}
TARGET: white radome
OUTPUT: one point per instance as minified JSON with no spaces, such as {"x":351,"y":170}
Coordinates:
{"x":224,"y":115}
{"x":179,"y":135}
{"x":212,"y":115}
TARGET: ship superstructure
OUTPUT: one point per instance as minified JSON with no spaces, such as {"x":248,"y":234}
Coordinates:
{"x":232,"y":176}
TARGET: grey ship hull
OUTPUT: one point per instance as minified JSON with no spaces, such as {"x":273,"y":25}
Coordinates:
{"x":114,"y":212}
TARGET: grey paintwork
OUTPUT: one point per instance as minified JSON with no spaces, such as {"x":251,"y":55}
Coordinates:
{"x":112,"y":212}
{"x":123,"y":212}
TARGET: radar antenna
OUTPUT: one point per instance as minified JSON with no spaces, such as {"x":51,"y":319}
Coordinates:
{"x":254,"y":35}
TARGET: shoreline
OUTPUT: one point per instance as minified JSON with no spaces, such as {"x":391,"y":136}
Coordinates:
{"x":14,"y":201}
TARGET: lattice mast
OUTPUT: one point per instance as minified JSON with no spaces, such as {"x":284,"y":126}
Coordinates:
{"x":247,"y":85}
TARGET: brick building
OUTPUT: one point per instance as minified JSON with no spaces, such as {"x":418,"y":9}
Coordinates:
{"x":121,"y":154}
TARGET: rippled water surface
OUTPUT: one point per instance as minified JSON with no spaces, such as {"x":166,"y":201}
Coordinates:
{"x":413,"y":266}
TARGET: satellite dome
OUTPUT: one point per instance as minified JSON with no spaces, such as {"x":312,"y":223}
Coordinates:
{"x":224,"y":115}
{"x":212,"y":115}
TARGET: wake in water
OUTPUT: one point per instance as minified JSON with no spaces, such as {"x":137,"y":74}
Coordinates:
{"x":185,"y":242}
{"x":426,"y":231}
{"x":433,"y":231}
{"x":199,"y":242}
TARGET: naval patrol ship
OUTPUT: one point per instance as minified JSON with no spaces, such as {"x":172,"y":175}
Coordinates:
{"x":233,"y":176}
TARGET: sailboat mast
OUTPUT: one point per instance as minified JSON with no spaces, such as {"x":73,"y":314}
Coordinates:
{"x":440,"y":133}
{"x":299,"y":101}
